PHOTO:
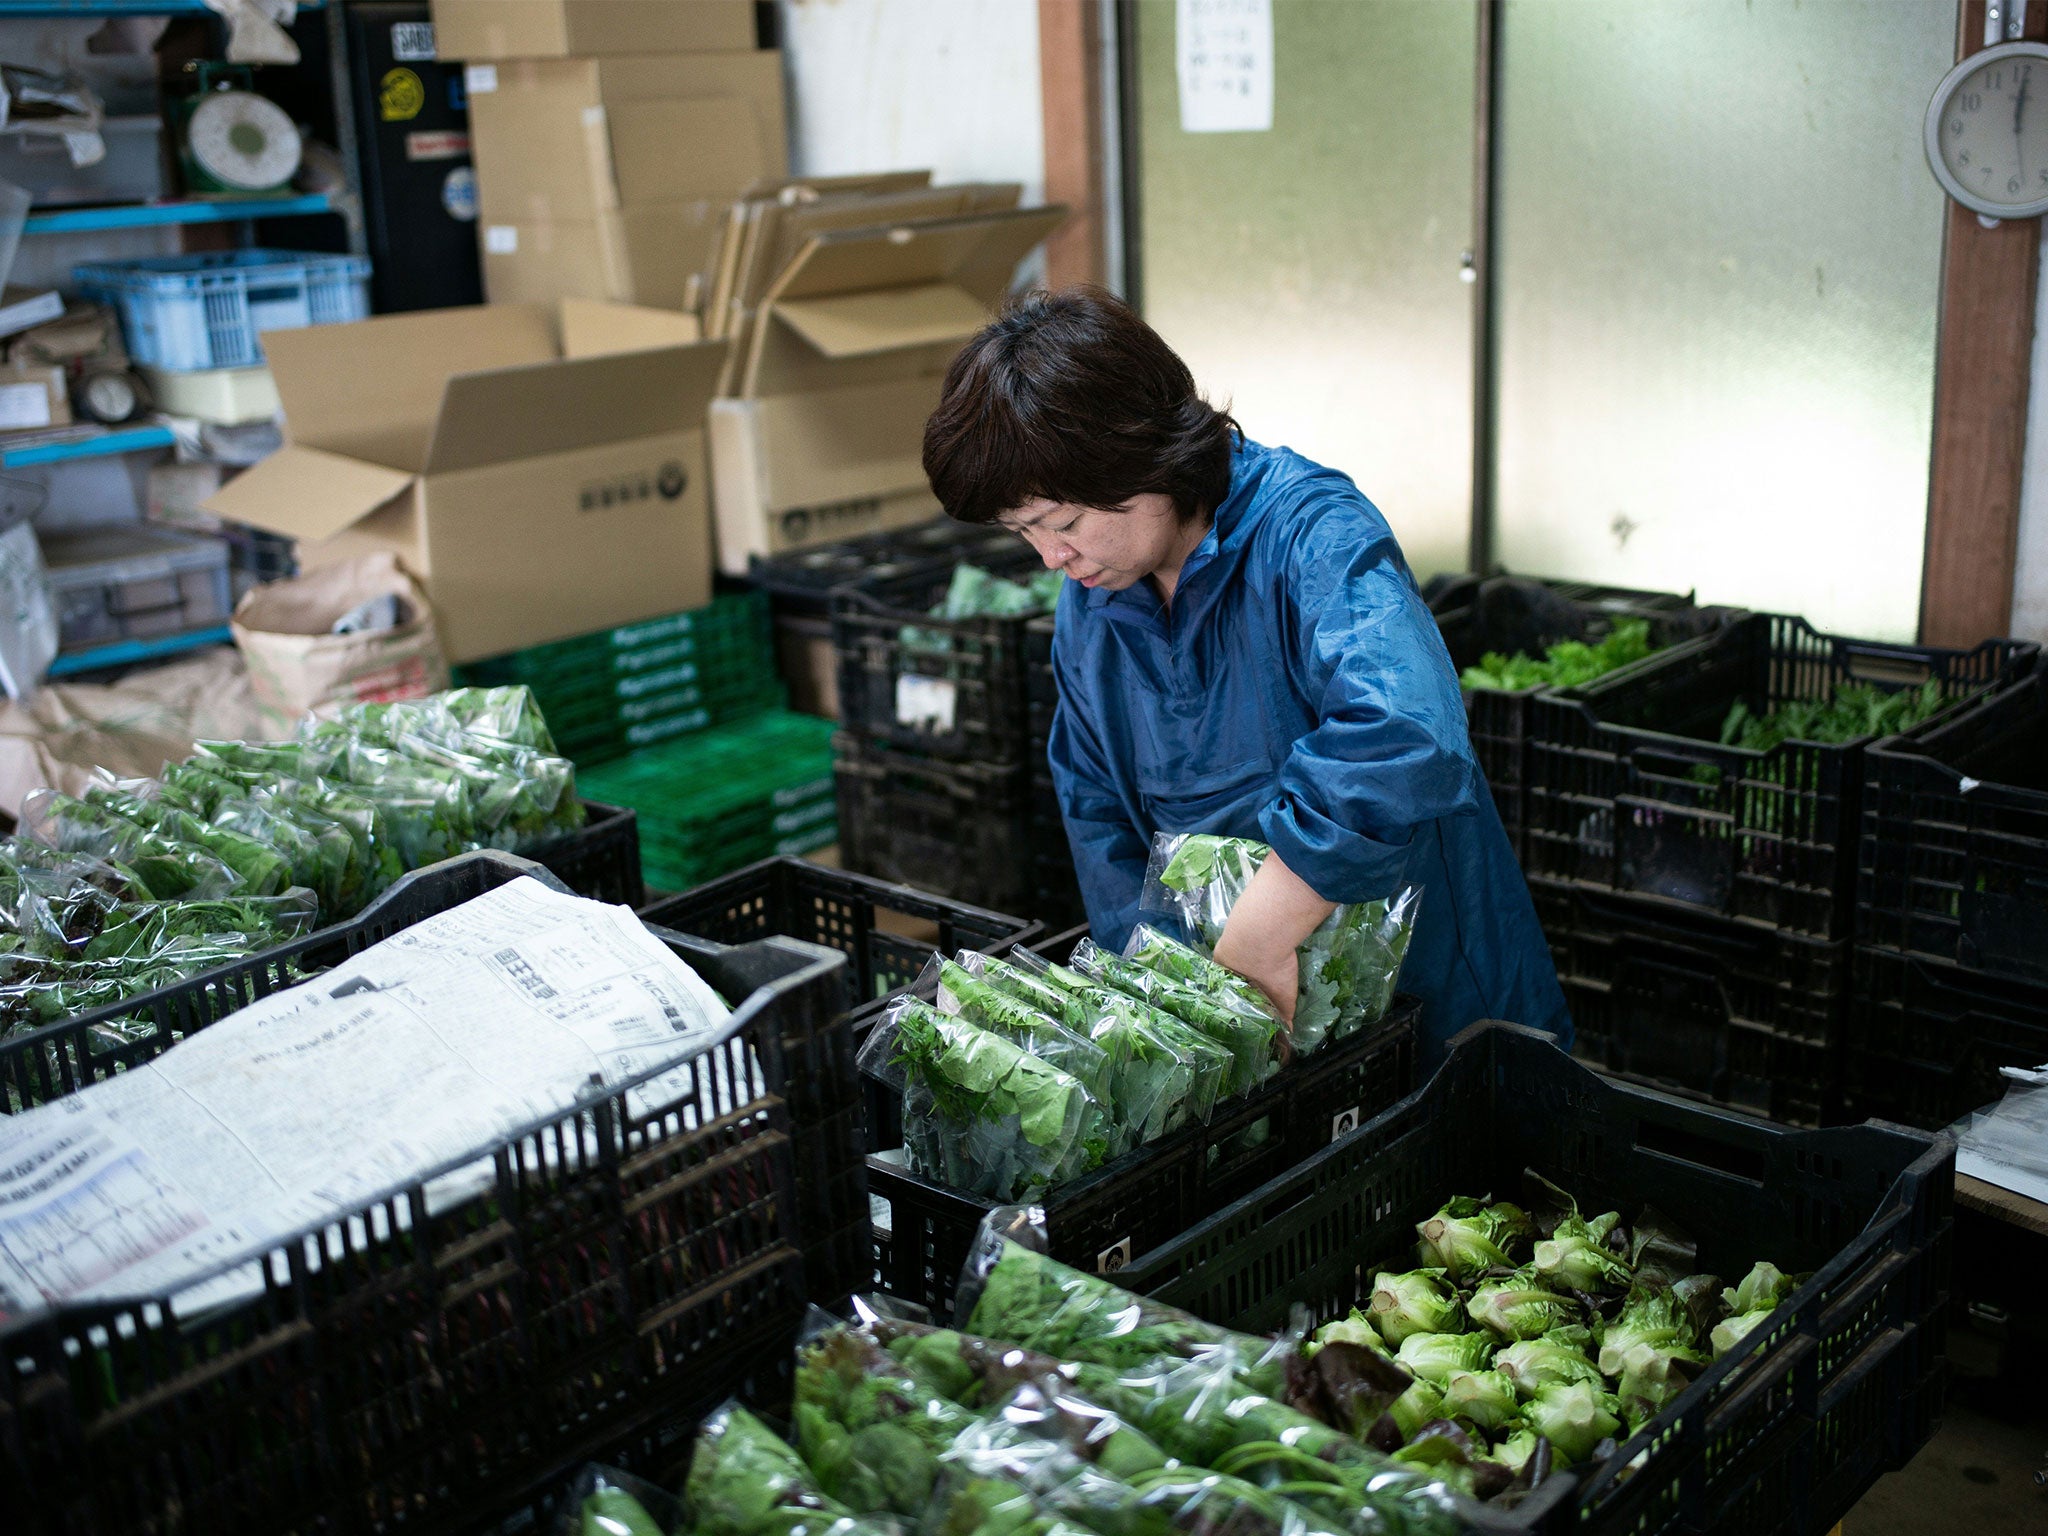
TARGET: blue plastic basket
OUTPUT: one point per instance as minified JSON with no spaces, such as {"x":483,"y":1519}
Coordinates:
{"x":185,"y":313}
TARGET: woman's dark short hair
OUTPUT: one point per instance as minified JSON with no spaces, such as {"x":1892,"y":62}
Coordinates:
{"x":1071,"y":397}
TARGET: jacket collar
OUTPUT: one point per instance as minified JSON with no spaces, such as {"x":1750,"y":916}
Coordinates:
{"x":1214,"y":559}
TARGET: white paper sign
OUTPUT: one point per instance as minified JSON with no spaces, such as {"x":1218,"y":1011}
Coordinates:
{"x":924,"y":703}
{"x":501,"y":240}
{"x":480,"y":79}
{"x":1223,"y":51}
{"x":24,"y":405}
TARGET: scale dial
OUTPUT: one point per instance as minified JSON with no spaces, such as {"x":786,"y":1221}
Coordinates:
{"x":248,"y":142}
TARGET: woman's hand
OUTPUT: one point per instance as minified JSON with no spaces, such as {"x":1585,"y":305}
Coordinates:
{"x":1277,"y":911}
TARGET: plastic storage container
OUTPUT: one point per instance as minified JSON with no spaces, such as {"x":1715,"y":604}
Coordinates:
{"x":1784,"y":1433}
{"x":1630,"y":789}
{"x":1925,"y":1040}
{"x":133,"y":582}
{"x":801,"y":581}
{"x":962,"y":829}
{"x":1953,"y":860}
{"x":1154,"y":1192}
{"x":209,"y":310}
{"x":450,"y":1368}
{"x":1510,"y":614}
{"x":600,"y":859}
{"x":1700,"y":1005}
{"x":949,"y":688}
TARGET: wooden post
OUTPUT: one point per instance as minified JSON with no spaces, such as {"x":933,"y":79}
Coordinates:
{"x":1069,"y":73}
{"x":1982,"y":370}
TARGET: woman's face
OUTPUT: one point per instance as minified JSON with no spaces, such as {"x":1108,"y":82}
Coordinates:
{"x":1114,"y":548}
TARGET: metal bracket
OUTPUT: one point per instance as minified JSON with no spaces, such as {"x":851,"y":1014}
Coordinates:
{"x":2004,"y":21}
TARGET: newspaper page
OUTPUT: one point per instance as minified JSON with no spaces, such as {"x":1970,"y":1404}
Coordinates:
{"x":417,"y":1053}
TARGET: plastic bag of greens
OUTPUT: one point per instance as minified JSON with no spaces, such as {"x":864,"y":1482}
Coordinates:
{"x":962,"y":993}
{"x":745,"y":1480}
{"x":1165,"y":1074}
{"x":254,"y":763}
{"x":1161,"y":952}
{"x":323,"y":803}
{"x":516,"y":797}
{"x":322,"y":858}
{"x":1017,"y":1295}
{"x":264,"y":870}
{"x":167,"y":867}
{"x":864,"y":1424}
{"x":510,"y":714}
{"x":422,"y":810}
{"x":1348,"y":967}
{"x":607,"y":1502}
{"x":981,"y":1114}
{"x":1250,"y":1033}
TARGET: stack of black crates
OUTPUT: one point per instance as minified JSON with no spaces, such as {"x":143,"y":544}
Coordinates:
{"x":940,"y":760}
{"x":1699,"y":898}
{"x":1950,"y":968}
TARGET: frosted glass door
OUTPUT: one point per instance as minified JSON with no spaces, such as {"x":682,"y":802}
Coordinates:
{"x":1310,"y":274}
{"x":1719,"y":253}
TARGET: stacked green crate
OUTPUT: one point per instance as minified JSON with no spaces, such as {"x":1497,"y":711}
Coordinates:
{"x":617,"y":690}
{"x":718,"y":800}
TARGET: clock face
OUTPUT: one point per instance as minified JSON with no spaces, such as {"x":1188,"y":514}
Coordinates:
{"x":1987,"y":131}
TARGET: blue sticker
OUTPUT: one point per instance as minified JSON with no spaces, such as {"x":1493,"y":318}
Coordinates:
{"x":458,"y":194}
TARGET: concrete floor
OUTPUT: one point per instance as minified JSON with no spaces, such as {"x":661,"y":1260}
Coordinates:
{"x":1976,"y":1477}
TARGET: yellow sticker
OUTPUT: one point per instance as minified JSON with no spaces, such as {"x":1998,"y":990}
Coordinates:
{"x":400,"y":96}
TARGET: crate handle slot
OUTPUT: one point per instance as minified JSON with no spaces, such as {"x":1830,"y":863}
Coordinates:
{"x":1763,"y":1376}
{"x":1870,"y":663}
{"x":1741,"y":1160}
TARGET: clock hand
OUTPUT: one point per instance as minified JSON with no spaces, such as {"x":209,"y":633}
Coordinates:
{"x":2019,"y":116}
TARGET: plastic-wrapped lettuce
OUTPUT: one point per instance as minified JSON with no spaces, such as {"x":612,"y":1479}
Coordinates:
{"x":980,"y":1113}
{"x":166,"y":867}
{"x":263,"y":870}
{"x":1349,"y":966}
{"x":608,"y":1502}
{"x":510,"y":714}
{"x":1161,"y":1047}
{"x":1248,"y":1031}
{"x":745,"y":1480}
{"x":867,"y":1428}
{"x":965,"y":995}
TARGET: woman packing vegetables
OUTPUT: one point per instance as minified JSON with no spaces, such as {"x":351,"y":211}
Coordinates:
{"x":1241,"y":651}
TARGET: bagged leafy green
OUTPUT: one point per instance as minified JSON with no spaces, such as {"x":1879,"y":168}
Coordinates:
{"x":1010,"y":1293}
{"x":1349,"y":966}
{"x":744,"y":1480}
{"x":422,"y":809}
{"x":965,"y":995}
{"x":510,"y":714}
{"x":167,"y":867}
{"x":1159,"y":1055}
{"x":866,"y":1426}
{"x":608,"y":1502}
{"x":256,"y":762}
{"x":264,"y":872}
{"x":195,"y":787}
{"x":321,"y":858}
{"x":1249,"y":1033}
{"x":1149,"y":1082}
{"x":515,"y":797}
{"x":980,"y":1113}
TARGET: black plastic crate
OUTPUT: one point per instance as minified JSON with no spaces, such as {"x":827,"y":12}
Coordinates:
{"x":951,"y":688}
{"x":887,"y":931}
{"x":1953,"y":860}
{"x":600,"y":859}
{"x":1630,"y":790}
{"x":1784,"y":1433}
{"x":1700,"y":1005}
{"x":1154,"y":1192}
{"x":622,"y":1267}
{"x":1925,"y":1040}
{"x":801,"y":581}
{"x":958,"y":829}
{"x":1055,"y":889}
{"x":1510,"y":614}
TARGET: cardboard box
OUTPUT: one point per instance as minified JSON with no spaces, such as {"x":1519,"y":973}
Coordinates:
{"x":646,"y":256}
{"x":567,"y":139}
{"x":545,"y":29}
{"x":540,"y":469}
{"x":824,"y":438}
{"x":33,"y":395}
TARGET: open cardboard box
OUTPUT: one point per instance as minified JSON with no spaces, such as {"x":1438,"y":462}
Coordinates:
{"x":540,"y":469}
{"x":842,"y":366}
{"x":539,"y":29}
{"x":650,"y":256}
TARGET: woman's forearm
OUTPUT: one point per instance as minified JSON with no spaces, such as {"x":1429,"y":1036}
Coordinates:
{"x":1277,"y":911}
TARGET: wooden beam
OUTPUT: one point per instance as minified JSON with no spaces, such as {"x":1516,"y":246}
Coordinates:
{"x":1982,"y":370}
{"x":1069,"y":75}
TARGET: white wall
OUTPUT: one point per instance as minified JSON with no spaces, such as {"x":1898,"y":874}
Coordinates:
{"x":887,"y":85}
{"x":2030,"y":571}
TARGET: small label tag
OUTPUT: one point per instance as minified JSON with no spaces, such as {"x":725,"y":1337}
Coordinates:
{"x":1114,"y":1258}
{"x":480,"y":79}
{"x":501,"y":240}
{"x":412,"y":42}
{"x":1343,"y":1123}
{"x":925,"y":703}
{"x":24,"y":405}
{"x":436,"y":145}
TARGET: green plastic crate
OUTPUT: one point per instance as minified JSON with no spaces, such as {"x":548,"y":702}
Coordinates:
{"x":717,"y":800}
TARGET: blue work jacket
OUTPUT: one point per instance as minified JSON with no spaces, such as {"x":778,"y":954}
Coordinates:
{"x":1296,"y":691}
